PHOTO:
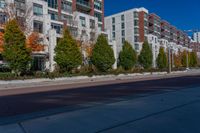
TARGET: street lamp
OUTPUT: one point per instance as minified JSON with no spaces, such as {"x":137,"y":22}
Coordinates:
{"x":169,"y":59}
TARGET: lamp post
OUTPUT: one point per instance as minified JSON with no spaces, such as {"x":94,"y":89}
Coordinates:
{"x":169,"y":59}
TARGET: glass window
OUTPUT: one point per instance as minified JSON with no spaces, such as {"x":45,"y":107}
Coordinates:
{"x":97,"y":5}
{"x":123,"y":32}
{"x":37,"y":9}
{"x":2,"y":3}
{"x":54,"y":15}
{"x":99,"y":16}
{"x":113,"y":27}
{"x":123,"y":40}
{"x":122,"y":25}
{"x":113,"y":35}
{"x":66,"y":6}
{"x":83,"y":22}
{"x":57,"y":27}
{"x":136,"y":15}
{"x":92,"y":23}
{"x":113,"y":20}
{"x":38,"y":26}
{"x":122,"y":17}
{"x":136,"y":46}
{"x":53,"y":3}
{"x":136,"y":22}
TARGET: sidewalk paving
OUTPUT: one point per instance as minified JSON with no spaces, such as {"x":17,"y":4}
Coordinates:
{"x":15,"y":84}
{"x":176,"y":111}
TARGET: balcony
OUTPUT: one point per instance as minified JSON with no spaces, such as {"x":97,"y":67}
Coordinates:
{"x":83,"y":5}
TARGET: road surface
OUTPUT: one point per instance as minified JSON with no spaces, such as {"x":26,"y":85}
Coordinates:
{"x":16,"y":106}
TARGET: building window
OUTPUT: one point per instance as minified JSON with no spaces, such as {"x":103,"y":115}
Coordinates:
{"x":136,"y":46}
{"x":99,"y":16}
{"x":66,"y":6}
{"x":145,"y":16}
{"x":92,"y":24}
{"x":67,"y":18}
{"x":113,"y":35}
{"x":136,"y":15}
{"x":57,"y":27}
{"x":54,"y":15}
{"x":122,"y":17}
{"x":113,"y":27}
{"x":123,"y":40}
{"x":2,"y":3}
{"x":100,"y":27}
{"x":97,"y":5}
{"x":136,"y":38}
{"x":122,"y":25}
{"x":53,"y":3}
{"x":83,"y":21}
{"x":136,"y":30}
{"x":113,"y":20}
{"x":136,"y":23}
{"x":38,"y":26}
{"x":123,"y":32}
{"x":37,"y":9}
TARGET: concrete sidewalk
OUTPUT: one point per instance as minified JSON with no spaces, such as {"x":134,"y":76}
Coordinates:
{"x":14,"y":84}
{"x":172,"y":112}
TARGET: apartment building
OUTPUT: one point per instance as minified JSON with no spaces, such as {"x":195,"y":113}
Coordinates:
{"x":196,"y":37}
{"x":84,"y":19}
{"x":138,"y":25}
{"x":131,"y":25}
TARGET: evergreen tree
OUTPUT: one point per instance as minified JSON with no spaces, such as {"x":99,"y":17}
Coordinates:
{"x":102,"y":56}
{"x":67,"y":53}
{"x":145,"y":58}
{"x":162,"y":59}
{"x":15,"y":51}
{"x":193,"y":59}
{"x":127,"y":57}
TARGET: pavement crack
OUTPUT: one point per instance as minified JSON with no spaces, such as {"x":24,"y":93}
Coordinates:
{"x":22,"y":127}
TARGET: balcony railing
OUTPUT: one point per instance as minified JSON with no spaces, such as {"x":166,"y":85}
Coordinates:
{"x":83,"y":3}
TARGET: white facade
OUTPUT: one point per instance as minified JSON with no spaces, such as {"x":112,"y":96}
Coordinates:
{"x":122,"y":27}
{"x":196,"y":37}
{"x":155,"y":46}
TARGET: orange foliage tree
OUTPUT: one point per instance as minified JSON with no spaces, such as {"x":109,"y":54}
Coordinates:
{"x":33,"y":42}
{"x":178,"y":60}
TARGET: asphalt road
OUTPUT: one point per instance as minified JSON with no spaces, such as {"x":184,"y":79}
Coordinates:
{"x":15,"y":106}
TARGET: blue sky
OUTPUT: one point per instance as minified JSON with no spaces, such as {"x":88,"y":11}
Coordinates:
{"x":184,"y":14}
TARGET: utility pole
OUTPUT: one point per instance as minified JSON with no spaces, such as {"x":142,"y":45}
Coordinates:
{"x":169,"y":59}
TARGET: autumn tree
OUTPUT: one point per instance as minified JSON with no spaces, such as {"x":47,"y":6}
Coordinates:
{"x":177,"y":60}
{"x":15,"y":51}
{"x":33,"y":42}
